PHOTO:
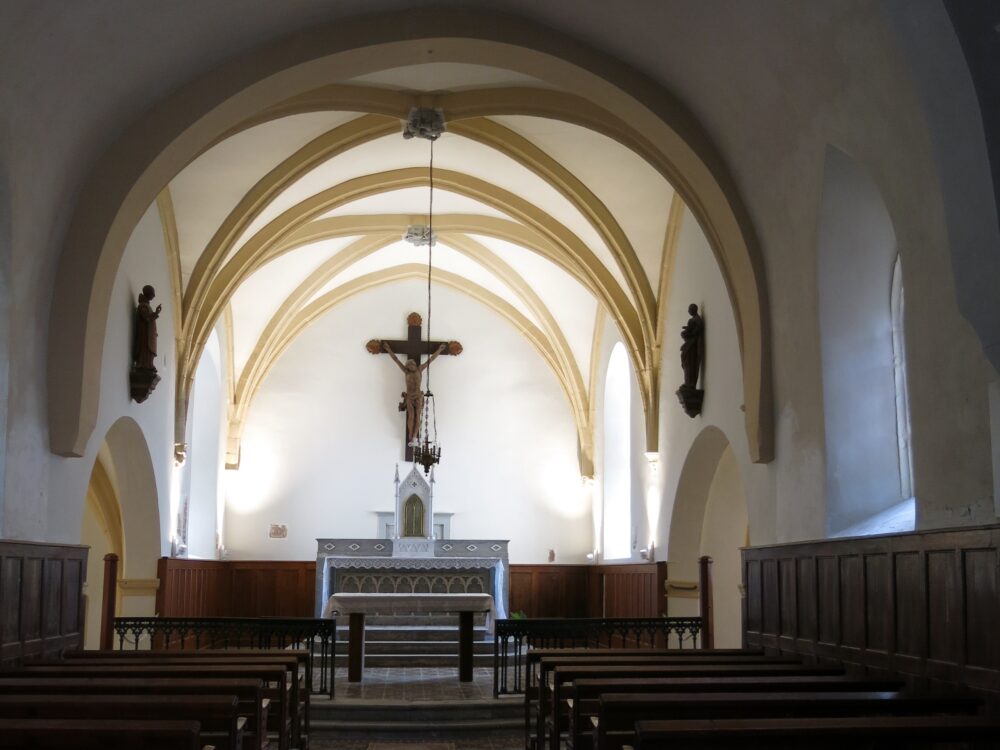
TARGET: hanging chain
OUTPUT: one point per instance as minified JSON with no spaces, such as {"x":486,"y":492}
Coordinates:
{"x":430,"y":255}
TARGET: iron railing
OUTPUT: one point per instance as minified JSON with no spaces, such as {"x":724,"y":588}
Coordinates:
{"x":318,"y":636}
{"x":513,"y":638}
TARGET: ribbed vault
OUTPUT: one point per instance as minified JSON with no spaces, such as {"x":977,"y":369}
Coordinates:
{"x":536,"y":222}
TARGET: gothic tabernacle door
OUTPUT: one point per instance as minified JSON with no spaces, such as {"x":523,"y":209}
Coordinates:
{"x":414,"y":347}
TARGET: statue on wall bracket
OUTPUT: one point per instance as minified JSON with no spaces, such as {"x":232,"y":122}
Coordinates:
{"x":692,"y":358}
{"x":142,"y":375}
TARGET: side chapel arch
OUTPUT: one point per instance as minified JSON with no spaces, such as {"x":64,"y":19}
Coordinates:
{"x":130,"y":174}
{"x":710,"y":518}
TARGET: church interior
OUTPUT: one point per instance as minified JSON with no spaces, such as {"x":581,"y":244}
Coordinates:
{"x":703,"y":300}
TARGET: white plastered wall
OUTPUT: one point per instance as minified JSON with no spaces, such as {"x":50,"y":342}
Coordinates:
{"x":143,"y":507}
{"x":203,"y":483}
{"x":324,"y":434}
{"x":723,"y":532}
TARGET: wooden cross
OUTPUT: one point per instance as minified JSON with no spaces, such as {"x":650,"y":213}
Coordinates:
{"x":415,"y":349}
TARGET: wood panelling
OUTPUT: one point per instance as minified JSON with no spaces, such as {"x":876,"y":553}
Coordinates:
{"x":235,"y":588}
{"x":239,"y":588}
{"x":924,"y":606}
{"x":631,"y":590}
{"x":41,"y":599}
{"x":549,"y":590}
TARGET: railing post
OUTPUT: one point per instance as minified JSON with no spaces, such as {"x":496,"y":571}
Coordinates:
{"x":109,"y":600}
{"x":705,"y":589}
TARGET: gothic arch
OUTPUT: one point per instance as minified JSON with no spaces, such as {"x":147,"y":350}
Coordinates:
{"x":710,"y":518}
{"x":129,"y":175}
{"x":132,"y":468}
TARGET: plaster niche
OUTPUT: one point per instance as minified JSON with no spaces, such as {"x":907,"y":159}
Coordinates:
{"x":414,"y":535}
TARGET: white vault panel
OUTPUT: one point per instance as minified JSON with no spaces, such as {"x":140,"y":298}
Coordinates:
{"x":636,"y":194}
{"x":208,"y":189}
{"x":259,"y":297}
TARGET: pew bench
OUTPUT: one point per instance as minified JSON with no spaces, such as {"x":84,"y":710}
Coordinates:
{"x":298,"y":701}
{"x":274,"y":678}
{"x":550,"y":696}
{"x":584,"y":694}
{"x":535,"y":655}
{"x":541,"y":661}
{"x":618,"y":713}
{"x":217,"y":715}
{"x":86,"y":734}
{"x":302,"y":656}
{"x":835,"y":733}
{"x":249,"y":693}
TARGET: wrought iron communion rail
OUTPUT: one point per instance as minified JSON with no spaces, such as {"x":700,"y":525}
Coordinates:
{"x":318,"y":636}
{"x":513,"y":638}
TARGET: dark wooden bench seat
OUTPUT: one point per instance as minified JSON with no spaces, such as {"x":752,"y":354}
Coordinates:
{"x":218,"y":715}
{"x":619,"y":712}
{"x":535,"y":655}
{"x":584,"y":694}
{"x":274,"y":677}
{"x":249,"y":693}
{"x":298,"y":703}
{"x":550,"y":695}
{"x":302,"y":656}
{"x":857,"y":733}
{"x":105,"y":734}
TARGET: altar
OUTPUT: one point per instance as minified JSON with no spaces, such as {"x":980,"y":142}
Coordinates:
{"x":412,"y":561}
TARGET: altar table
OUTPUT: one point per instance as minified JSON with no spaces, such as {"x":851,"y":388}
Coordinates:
{"x":356,"y":606}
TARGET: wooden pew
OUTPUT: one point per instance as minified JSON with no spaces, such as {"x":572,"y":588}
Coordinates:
{"x":897,"y":732}
{"x":273,"y":676}
{"x":535,"y":655}
{"x":83,"y":734}
{"x":539,"y":661}
{"x":619,"y":712}
{"x":550,"y":698}
{"x":218,"y":716}
{"x":584,"y":694}
{"x":298,"y":702}
{"x":249,"y":693}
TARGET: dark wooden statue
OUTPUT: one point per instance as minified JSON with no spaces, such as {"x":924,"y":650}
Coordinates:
{"x":142,"y":375}
{"x":692,"y":358}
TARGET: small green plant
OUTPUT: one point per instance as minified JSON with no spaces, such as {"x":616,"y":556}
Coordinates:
{"x":518,"y":616}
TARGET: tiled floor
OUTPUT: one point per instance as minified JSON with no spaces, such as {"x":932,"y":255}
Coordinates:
{"x":416,"y":684}
{"x":492,"y":741}
{"x":399,"y":686}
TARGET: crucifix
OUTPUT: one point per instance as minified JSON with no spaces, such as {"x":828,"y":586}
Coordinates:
{"x":415,"y":348}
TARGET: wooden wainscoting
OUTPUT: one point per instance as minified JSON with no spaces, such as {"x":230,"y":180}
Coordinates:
{"x":923,"y":605}
{"x":235,"y":588}
{"x":550,"y":590}
{"x":627,"y":590}
{"x":41,"y":599}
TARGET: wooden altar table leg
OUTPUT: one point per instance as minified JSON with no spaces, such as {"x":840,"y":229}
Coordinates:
{"x":356,"y":646}
{"x":465,"y":646}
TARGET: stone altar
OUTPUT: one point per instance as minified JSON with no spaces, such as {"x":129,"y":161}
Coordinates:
{"x":356,"y":606}
{"x":413,"y":561}
{"x":455,"y":566}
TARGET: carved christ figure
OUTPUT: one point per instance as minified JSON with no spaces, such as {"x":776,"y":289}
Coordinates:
{"x":413,"y":397}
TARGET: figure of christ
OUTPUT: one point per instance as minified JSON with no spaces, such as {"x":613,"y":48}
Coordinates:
{"x":413,"y":397}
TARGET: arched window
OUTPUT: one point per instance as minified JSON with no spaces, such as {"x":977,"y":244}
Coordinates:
{"x":866,"y":416}
{"x":617,"y":456}
{"x":902,"y":392}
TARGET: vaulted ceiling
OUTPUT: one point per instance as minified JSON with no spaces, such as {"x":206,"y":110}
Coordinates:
{"x":549,"y":221}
